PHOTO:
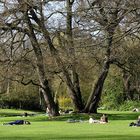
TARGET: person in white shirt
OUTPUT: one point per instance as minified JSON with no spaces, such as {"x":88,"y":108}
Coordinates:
{"x":91,"y":120}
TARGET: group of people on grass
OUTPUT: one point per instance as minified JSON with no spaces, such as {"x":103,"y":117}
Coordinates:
{"x":103,"y":119}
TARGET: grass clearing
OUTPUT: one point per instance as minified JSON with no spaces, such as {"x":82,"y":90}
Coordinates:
{"x":42,"y":128}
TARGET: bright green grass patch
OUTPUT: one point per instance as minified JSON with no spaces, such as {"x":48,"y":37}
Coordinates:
{"x":115,"y":130}
{"x":42,"y":128}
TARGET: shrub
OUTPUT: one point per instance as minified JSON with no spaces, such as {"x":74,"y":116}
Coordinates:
{"x":129,"y":105}
{"x":65,"y":103}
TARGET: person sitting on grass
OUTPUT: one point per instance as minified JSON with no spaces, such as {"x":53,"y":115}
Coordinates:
{"x":137,"y":122}
{"x":18,"y":122}
{"x":104,"y":119}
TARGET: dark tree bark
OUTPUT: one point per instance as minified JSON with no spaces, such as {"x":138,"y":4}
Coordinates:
{"x":45,"y":87}
{"x":93,"y":100}
{"x":75,"y":76}
{"x":95,"y":96}
{"x":24,"y":8}
{"x":109,"y":21}
{"x":74,"y":88}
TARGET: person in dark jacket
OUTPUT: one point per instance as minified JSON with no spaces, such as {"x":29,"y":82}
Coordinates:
{"x":18,"y":122}
{"x":137,"y":122}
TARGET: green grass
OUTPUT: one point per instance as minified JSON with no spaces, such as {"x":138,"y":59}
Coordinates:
{"x":42,"y":128}
{"x":15,"y":112}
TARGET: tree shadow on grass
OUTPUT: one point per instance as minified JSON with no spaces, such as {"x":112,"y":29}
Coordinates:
{"x":9,"y":114}
{"x":126,"y":116}
{"x":79,"y":137}
{"x":80,"y":116}
{"x":115,"y":116}
{"x":101,"y":137}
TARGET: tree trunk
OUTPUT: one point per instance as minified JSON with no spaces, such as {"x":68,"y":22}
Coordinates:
{"x":76,"y":98}
{"x":93,"y":100}
{"x":45,"y":88}
{"x":95,"y":96}
{"x":77,"y":89}
{"x":49,"y":100}
{"x":75,"y":76}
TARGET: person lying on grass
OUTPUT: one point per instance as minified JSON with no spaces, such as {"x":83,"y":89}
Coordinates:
{"x":18,"y":122}
{"x":137,"y":122}
{"x":92,"y":120}
{"x":103,"y":119}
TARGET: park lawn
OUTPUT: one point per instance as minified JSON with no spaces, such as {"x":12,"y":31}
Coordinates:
{"x":42,"y":128}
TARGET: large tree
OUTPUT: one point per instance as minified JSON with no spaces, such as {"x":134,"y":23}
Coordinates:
{"x":99,"y":20}
{"x":107,"y":16}
{"x":21,"y":20}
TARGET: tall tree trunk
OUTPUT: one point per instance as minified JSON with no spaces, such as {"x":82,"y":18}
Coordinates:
{"x":95,"y":96}
{"x":75,"y":76}
{"x":72,"y":93}
{"x":45,"y":87}
{"x":76,"y":98}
